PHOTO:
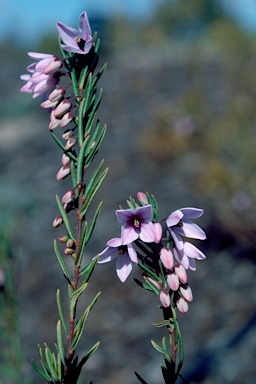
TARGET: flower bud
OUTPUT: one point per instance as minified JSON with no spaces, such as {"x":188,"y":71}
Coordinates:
{"x":182,"y":305}
{"x":68,"y":251}
{"x":70,"y":243}
{"x":181,"y":273}
{"x":173,"y":281}
{"x":48,"y":104}
{"x":54,"y":66}
{"x":66,"y":119}
{"x":63,"y":172}
{"x":166,"y":257}
{"x":54,"y":123}
{"x":68,"y":197}
{"x":158,"y":231}
{"x":67,"y":134}
{"x":56,"y":94}
{"x":65,"y":159}
{"x":70,"y":143}
{"x":62,"y":108}
{"x":142,"y":197}
{"x":57,"y":221}
{"x":186,"y":292}
{"x":63,"y":238}
{"x":154,"y":282}
{"x":165,"y":298}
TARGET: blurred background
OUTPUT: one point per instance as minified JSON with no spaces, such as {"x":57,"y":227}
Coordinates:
{"x":179,"y":103}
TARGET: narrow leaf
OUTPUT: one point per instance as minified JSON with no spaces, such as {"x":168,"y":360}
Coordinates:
{"x":75,"y":297}
{"x":87,"y":271}
{"x":60,"y":144}
{"x":93,"y":192}
{"x":81,"y":161}
{"x":62,"y":263}
{"x":149,"y":271}
{"x":38,"y":370}
{"x":61,"y":312}
{"x":65,"y":218}
{"x":60,"y":343}
{"x":88,"y":354}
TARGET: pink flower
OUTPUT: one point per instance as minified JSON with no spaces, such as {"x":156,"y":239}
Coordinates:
{"x":180,"y":224}
{"x":136,"y":223}
{"x":166,"y":258}
{"x":44,"y":74}
{"x":187,"y":255}
{"x":125,"y":255}
{"x":77,"y":41}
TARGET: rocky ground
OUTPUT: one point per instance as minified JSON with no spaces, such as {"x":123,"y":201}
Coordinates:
{"x":219,"y":330}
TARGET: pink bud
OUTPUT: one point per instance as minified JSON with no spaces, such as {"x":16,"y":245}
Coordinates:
{"x":68,"y":197}
{"x":65,"y":159}
{"x":62,"y":108}
{"x":142,"y":197}
{"x":56,"y":94}
{"x":66,"y":119}
{"x":63,"y":172}
{"x":63,"y":238}
{"x":165,"y":298}
{"x":154,"y":282}
{"x":166,"y":258}
{"x":186,"y":293}
{"x":182,"y":305}
{"x":54,"y":66}
{"x":48,"y":104}
{"x":70,"y":143}
{"x":57,"y":221}
{"x":173,"y":281}
{"x":181,"y":273}
{"x":158,"y":231}
{"x":68,"y":251}
{"x":70,"y":243}
{"x":53,"y":121}
{"x":67,"y":134}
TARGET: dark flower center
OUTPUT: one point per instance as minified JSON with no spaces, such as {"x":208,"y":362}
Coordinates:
{"x":80,"y":43}
{"x":136,"y":222}
{"x":180,"y":224}
{"x":122,"y":249}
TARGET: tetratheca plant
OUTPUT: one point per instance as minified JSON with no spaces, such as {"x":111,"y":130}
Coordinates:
{"x":159,"y":248}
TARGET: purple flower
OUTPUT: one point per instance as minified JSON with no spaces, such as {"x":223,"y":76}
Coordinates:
{"x":187,"y":255}
{"x":77,"y":41}
{"x":180,"y":224}
{"x":44,"y":74}
{"x":136,"y":224}
{"x":124,"y":255}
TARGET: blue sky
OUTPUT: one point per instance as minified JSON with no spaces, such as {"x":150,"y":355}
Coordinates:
{"x":24,"y":20}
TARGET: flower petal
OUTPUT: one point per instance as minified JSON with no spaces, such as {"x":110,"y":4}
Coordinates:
{"x":147,"y":233}
{"x":174,"y":218}
{"x":193,"y":252}
{"x":132,"y":253}
{"x":68,"y":35}
{"x":84,"y":26}
{"x":109,"y":253}
{"x":128,"y":234}
{"x":190,"y":229}
{"x":123,"y":267}
{"x":192,"y":213}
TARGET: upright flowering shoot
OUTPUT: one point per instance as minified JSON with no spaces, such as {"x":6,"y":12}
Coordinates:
{"x":143,"y":244}
{"x":75,"y":109}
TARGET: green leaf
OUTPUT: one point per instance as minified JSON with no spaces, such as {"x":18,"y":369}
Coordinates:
{"x":81,"y":161}
{"x":82,"y":109}
{"x":60,"y":144}
{"x":149,"y":271}
{"x":65,"y":218}
{"x":163,"y":323}
{"x":94,"y":177}
{"x":93,"y":192}
{"x":95,"y":149}
{"x":62,"y":263}
{"x":38,"y":370}
{"x":152,"y":286}
{"x":89,"y":353}
{"x":81,"y":322}
{"x":74,"y":298}
{"x":161,"y":350}
{"x":60,"y":343}
{"x":87,"y":271}
{"x":88,"y":234}
{"x":61,"y":312}
{"x":50,"y":363}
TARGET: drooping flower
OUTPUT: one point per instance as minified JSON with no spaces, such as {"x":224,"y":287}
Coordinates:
{"x":44,"y":74}
{"x":77,"y":41}
{"x":125,"y":255}
{"x":180,"y":224}
{"x":136,"y":223}
{"x":187,"y":255}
